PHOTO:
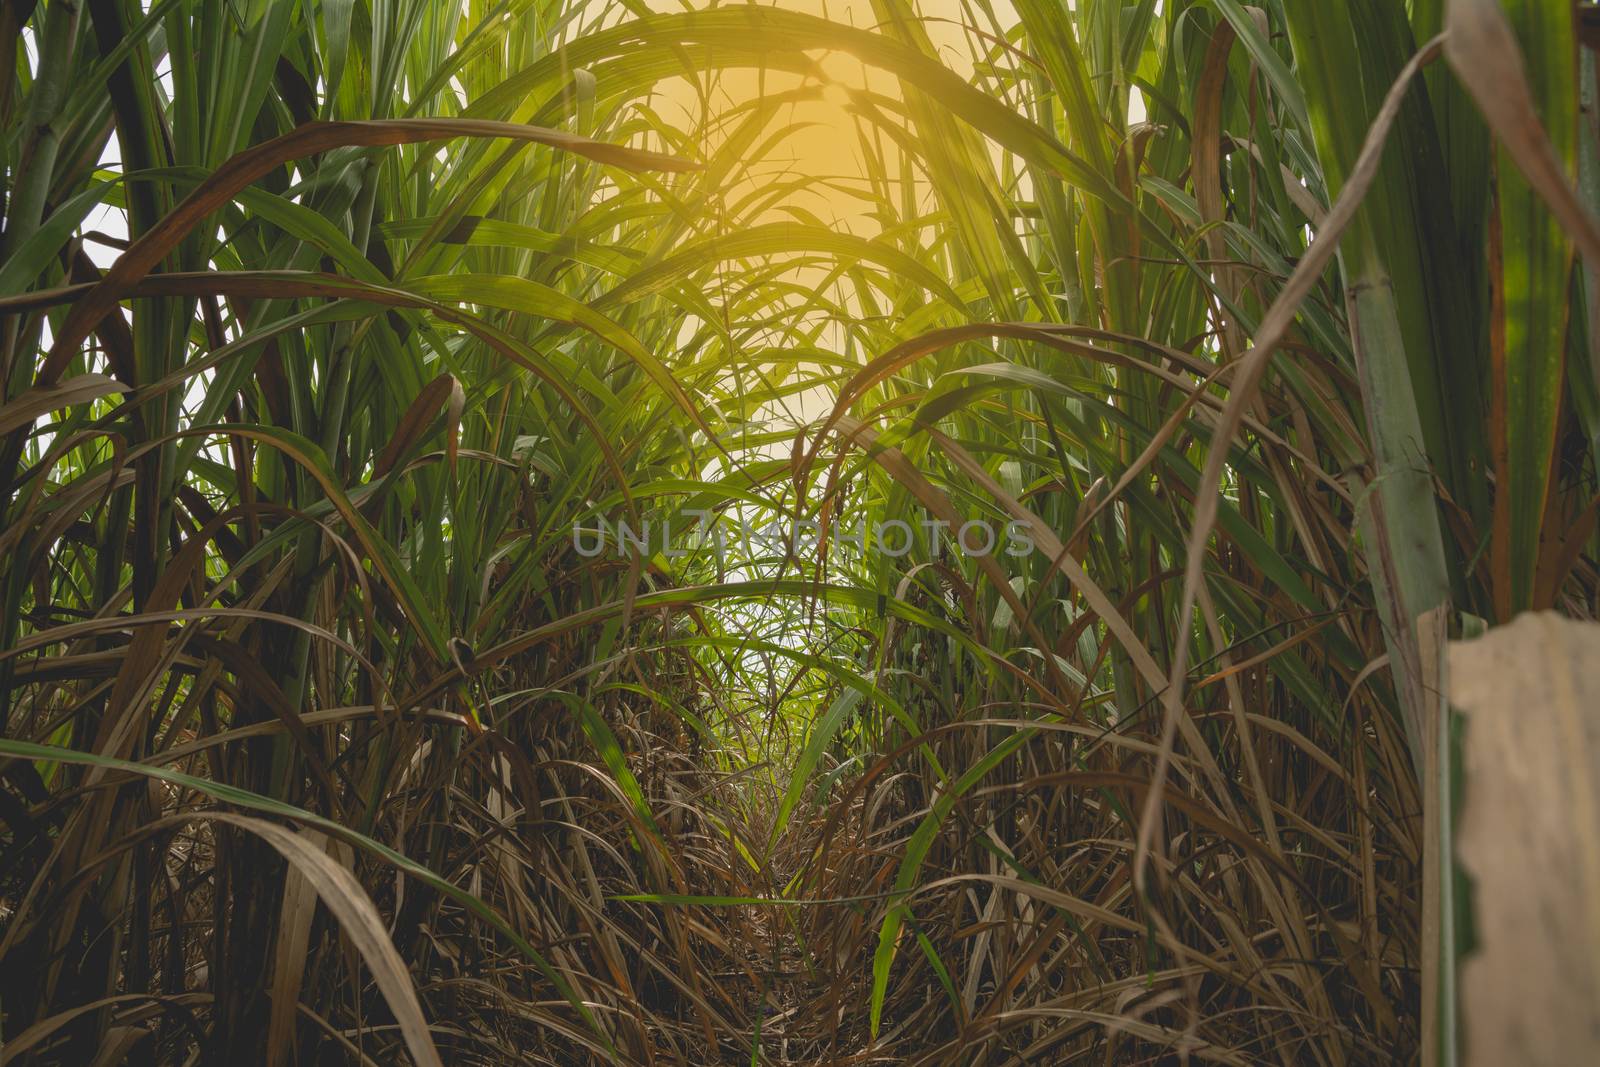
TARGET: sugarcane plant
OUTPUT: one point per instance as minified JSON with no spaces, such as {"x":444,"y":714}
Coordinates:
{"x":573,"y":532}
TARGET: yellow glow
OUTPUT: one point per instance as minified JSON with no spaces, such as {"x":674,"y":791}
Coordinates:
{"x":831,"y":149}
{"x":818,"y":167}
{"x":819,"y":151}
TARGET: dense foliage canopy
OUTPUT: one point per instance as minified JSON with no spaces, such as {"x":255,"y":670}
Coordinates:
{"x":398,"y":395}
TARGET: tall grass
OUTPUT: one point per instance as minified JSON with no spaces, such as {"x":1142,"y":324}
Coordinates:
{"x":324,"y":327}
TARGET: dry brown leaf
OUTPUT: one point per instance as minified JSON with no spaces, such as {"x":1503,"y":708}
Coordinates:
{"x":1530,"y":839}
{"x":1483,"y":51}
{"x":43,"y":399}
{"x":358,"y":919}
{"x":295,"y":914}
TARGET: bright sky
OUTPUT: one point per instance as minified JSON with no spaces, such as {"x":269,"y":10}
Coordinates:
{"x":827,"y":149}
{"x":825,"y":146}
